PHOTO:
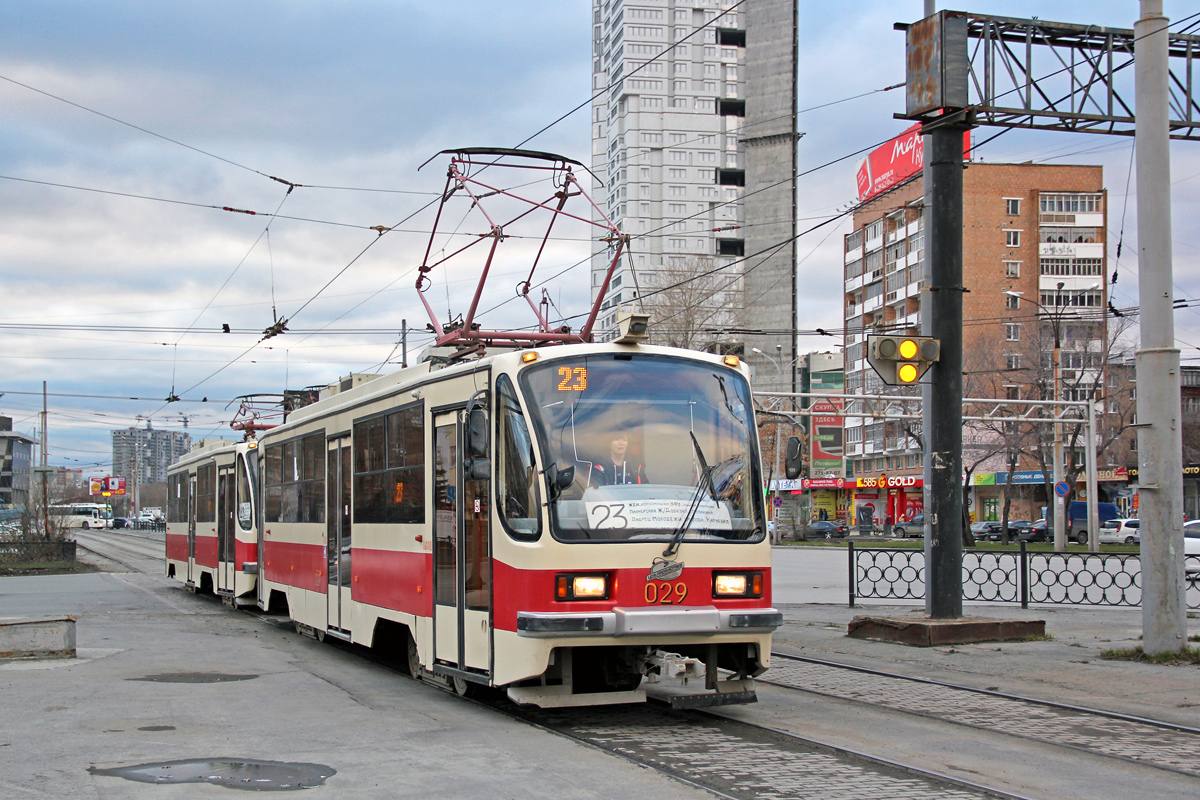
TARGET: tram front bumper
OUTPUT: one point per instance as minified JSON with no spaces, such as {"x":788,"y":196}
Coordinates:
{"x":648,"y":621}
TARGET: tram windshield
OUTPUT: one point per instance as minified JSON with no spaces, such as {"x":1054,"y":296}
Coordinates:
{"x":660,"y":447}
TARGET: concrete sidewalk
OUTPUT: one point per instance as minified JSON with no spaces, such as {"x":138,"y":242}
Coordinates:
{"x":165,"y":676}
{"x":1067,"y":667}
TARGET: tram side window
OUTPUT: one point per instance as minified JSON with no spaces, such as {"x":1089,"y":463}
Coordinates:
{"x":245,"y":513}
{"x":177,"y":498}
{"x":389,"y":467}
{"x":206,"y":493}
{"x":516,"y":486}
{"x":295,"y":480}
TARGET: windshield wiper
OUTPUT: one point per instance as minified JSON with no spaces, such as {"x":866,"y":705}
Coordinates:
{"x":705,"y":480}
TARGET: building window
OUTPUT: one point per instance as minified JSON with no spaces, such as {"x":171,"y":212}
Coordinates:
{"x":1012,"y":302}
{"x":1012,"y":206}
{"x":1012,"y":331}
{"x":1012,"y":238}
{"x":1013,"y":360}
{"x":1012,"y":269}
{"x":1012,"y":392}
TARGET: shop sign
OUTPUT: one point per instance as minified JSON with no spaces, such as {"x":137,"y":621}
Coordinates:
{"x":824,"y":483}
{"x":785,"y":485}
{"x":983,"y":479}
{"x":1023,"y":476}
{"x":891,"y":482}
{"x":1116,"y":474}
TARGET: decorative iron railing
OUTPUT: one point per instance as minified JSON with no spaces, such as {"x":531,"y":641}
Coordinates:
{"x":1013,"y":576}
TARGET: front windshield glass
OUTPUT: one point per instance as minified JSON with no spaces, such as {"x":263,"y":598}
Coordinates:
{"x":661,"y":447}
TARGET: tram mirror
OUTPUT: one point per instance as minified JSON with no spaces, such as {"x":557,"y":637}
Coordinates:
{"x":793,"y":459}
{"x":479,"y":469}
{"x":477,"y":425}
{"x":560,"y":479}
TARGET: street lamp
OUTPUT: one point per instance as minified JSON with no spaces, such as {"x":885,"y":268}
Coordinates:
{"x":779,"y":424}
{"x":1058,"y":504}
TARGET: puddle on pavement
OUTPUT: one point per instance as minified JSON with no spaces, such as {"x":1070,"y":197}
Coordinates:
{"x":234,"y":773}
{"x":194,"y":677}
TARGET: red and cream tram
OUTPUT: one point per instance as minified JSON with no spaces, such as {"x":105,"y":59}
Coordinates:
{"x":476,"y":514}
{"x":212,"y":520}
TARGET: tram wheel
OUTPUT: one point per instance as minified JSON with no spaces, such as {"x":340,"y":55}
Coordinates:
{"x":320,"y":635}
{"x":464,"y":688}
{"x":414,"y":660}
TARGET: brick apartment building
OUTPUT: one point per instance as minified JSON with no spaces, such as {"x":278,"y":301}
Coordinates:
{"x":1033,"y":264}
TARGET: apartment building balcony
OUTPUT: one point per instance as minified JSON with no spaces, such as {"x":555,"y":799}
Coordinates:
{"x":1071,"y":250}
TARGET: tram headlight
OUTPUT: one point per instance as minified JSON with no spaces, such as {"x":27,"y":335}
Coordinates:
{"x":737,"y":584}
{"x":581,"y":587}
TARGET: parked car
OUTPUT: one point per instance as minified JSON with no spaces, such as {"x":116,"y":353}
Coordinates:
{"x":1191,"y":547}
{"x":1014,"y":528}
{"x":122,"y":522}
{"x":912,"y":527}
{"x":1040,"y":531}
{"x":829,"y":530}
{"x":1120,"y":531}
{"x":980,"y":530}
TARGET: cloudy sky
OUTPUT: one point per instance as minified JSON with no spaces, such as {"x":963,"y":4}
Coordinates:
{"x":129,"y":126}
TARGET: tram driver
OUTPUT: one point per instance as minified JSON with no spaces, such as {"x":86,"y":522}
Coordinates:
{"x":617,"y":469}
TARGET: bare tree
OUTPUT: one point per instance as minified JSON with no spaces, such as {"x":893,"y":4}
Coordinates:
{"x":692,"y":304}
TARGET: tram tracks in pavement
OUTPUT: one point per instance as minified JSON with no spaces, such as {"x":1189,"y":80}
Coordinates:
{"x":118,"y":550}
{"x":1141,"y":740}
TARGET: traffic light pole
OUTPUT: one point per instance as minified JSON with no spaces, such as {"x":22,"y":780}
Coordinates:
{"x":942,"y":318}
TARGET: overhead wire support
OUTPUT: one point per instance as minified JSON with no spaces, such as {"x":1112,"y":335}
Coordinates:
{"x":466,"y":333}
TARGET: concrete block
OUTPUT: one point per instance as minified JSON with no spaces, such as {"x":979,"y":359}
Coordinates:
{"x":921,"y":631}
{"x":38,"y":637}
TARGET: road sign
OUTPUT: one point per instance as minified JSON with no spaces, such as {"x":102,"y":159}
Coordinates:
{"x":1062,"y":488}
{"x":777,"y":501}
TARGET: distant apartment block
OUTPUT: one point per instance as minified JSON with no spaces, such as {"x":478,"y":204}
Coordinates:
{"x":142,"y":455}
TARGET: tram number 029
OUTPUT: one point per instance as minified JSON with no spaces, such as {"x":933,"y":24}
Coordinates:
{"x":666,"y":594}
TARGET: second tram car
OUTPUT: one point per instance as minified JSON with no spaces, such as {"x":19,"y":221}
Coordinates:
{"x":567,"y":523}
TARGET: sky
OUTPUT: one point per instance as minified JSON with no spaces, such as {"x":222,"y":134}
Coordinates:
{"x":129,"y":126}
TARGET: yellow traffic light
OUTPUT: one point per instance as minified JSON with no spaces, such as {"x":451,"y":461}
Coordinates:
{"x":902,"y":360}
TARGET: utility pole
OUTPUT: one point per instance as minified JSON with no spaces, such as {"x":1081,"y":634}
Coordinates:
{"x":1160,"y":449}
{"x":936,"y":95}
{"x":44,"y":470}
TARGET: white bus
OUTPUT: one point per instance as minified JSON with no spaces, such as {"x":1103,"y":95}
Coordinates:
{"x":83,"y":515}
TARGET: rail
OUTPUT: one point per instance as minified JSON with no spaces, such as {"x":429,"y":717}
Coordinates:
{"x":1013,"y":576}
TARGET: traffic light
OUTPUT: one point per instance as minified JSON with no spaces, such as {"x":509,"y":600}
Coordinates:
{"x":902,"y":360}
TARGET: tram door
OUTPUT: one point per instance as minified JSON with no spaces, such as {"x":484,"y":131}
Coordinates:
{"x":337,"y":527}
{"x":462,"y":556}
{"x":226,"y":553}
{"x":191,"y":529}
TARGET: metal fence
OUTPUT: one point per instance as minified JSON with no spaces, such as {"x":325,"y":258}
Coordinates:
{"x":36,"y":552}
{"x":1013,"y":576}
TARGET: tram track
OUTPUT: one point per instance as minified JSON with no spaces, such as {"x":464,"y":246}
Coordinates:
{"x":1141,"y":740}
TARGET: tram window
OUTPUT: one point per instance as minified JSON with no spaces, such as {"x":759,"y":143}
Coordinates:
{"x":206,"y":493}
{"x":295,"y":481}
{"x":389,"y":467}
{"x":516,"y":487}
{"x":245,"y":516}
{"x":176,"y":498}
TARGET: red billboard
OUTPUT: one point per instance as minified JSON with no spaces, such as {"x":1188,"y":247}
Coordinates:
{"x":894,"y":162}
{"x":106,"y":486}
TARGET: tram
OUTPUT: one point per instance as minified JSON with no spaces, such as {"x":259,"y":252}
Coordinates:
{"x":463,"y":513}
{"x":212,"y":536}
{"x":569,"y":521}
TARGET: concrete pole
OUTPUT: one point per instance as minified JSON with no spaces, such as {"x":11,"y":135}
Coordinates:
{"x":1160,"y":449}
{"x":1058,"y":510}
{"x":1089,"y":456}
